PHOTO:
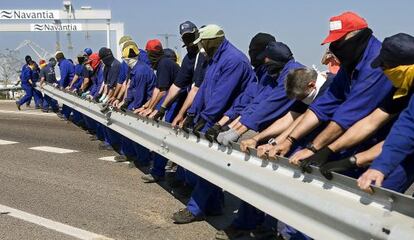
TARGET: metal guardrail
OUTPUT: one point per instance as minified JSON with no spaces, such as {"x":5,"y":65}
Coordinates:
{"x":322,"y":209}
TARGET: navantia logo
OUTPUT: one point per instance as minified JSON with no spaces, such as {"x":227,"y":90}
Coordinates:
{"x":29,"y":14}
{"x":46,"y":27}
{"x":6,"y":14}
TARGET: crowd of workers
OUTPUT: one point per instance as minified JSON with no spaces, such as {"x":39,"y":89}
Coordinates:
{"x":357,"y":118}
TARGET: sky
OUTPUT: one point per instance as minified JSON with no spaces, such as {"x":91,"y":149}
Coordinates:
{"x":301,"y":24}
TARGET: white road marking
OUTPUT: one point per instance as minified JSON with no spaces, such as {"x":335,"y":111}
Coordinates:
{"x":50,"y":224}
{"x":4,"y":142}
{"x":29,"y":113}
{"x":53,"y":149}
{"x":110,"y":159}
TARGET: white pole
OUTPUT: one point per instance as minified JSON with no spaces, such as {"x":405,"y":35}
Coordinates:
{"x":108,"y":34}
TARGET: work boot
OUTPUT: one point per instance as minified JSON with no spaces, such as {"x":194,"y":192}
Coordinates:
{"x":103,"y":146}
{"x":120,"y":158}
{"x":18,"y":105}
{"x":45,"y":110}
{"x":149,"y":178}
{"x":183,"y":192}
{"x":184,"y":216}
{"x":93,"y":138}
{"x":231,"y":232}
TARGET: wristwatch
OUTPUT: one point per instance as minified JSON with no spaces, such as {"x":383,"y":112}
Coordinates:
{"x":353,"y":160}
{"x":311,"y":147}
{"x":272,"y":142}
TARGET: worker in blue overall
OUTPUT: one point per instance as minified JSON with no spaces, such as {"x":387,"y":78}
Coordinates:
{"x":256,"y":47}
{"x":271,"y":101}
{"x":355,"y":92}
{"x":37,"y":95}
{"x":166,"y":71}
{"x":227,"y":75}
{"x":392,"y":165}
{"x":182,"y":82}
{"x":67,"y":71}
{"x":26,"y":77}
{"x":111,"y":73}
{"x":140,"y":88}
{"x":76,"y":84}
{"x":48,"y":75}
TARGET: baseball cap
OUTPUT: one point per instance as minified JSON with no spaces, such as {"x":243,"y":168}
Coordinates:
{"x":343,"y":24}
{"x":153,"y":45}
{"x":130,"y":49}
{"x":210,"y":31}
{"x":187,"y":27}
{"x":396,"y":50}
{"x":124,"y":39}
{"x":277,"y":51}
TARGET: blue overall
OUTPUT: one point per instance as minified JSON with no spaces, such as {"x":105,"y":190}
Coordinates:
{"x":48,"y":72}
{"x":67,"y":71}
{"x":25,"y":76}
{"x":37,"y":95}
{"x":396,"y":159}
{"x":167,"y":71}
{"x":227,"y":75}
{"x":351,"y":98}
{"x":138,"y":93}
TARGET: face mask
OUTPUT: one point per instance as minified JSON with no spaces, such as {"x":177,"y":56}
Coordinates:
{"x":311,"y":96}
{"x":52,"y":63}
{"x":108,"y":60}
{"x":349,"y":52}
{"x":211,"y":45}
{"x":402,"y":78}
{"x":273,"y":68}
{"x":131,"y":62}
{"x":188,"y":39}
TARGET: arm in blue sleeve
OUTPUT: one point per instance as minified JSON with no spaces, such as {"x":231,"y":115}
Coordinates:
{"x":64,"y":74}
{"x":114,"y":75}
{"x":225,"y":87}
{"x":265,"y":111}
{"x":325,"y":106}
{"x":399,"y":144}
{"x":198,"y":102}
{"x":242,"y":100}
{"x":365,"y":96}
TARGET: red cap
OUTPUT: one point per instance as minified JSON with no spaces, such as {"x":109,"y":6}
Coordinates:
{"x":42,"y":61}
{"x":344,"y":24}
{"x":94,"y":60}
{"x":153,"y":45}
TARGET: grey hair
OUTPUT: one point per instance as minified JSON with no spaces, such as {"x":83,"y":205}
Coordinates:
{"x":297,"y":81}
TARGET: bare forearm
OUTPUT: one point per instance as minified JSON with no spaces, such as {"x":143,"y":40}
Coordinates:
{"x":328,"y":135}
{"x":74,"y":80}
{"x":156,"y":97}
{"x":278,"y":127}
{"x":172,"y":94}
{"x":309,"y":122}
{"x":188,"y":101}
{"x":292,"y":126}
{"x":365,"y":158}
{"x":361,"y":130}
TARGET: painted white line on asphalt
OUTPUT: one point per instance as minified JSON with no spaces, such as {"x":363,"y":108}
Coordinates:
{"x":110,"y":159}
{"x":53,"y":149}
{"x":4,"y":142}
{"x":30,"y":113}
{"x":50,"y":224}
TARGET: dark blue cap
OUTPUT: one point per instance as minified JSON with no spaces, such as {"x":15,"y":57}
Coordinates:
{"x":396,"y":50}
{"x":87,"y":51}
{"x":277,"y":51}
{"x":187,"y":27}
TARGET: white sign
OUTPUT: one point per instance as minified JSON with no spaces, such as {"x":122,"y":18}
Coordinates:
{"x":28,"y":14}
{"x":51,"y":27}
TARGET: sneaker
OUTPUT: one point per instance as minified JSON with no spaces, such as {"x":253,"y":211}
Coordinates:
{"x":231,"y":232}
{"x":93,"y":138}
{"x":18,"y":106}
{"x":45,"y":110}
{"x":121,"y":158}
{"x":184,"y":216}
{"x":149,"y":178}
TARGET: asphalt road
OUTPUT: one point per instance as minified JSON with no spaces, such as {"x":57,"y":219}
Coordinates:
{"x":77,"y":189}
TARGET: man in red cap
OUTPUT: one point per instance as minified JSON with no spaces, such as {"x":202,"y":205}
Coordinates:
{"x":355,"y":92}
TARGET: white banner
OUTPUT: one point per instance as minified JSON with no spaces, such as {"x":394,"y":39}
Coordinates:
{"x":14,"y":14}
{"x":50,"y":27}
